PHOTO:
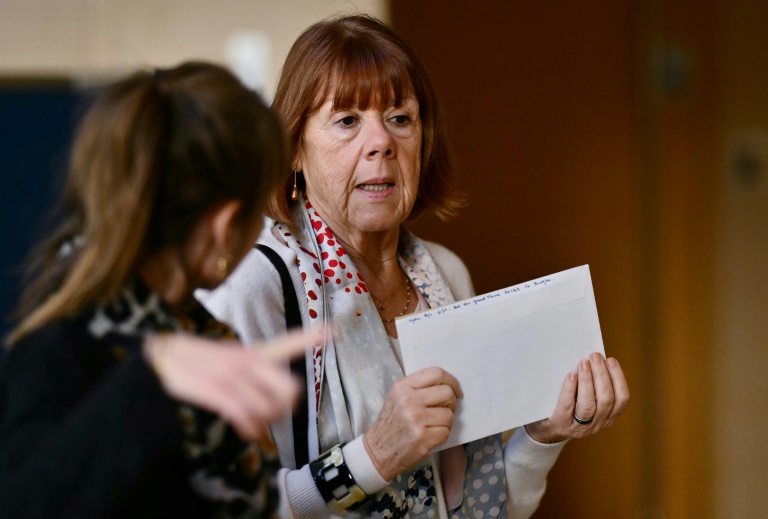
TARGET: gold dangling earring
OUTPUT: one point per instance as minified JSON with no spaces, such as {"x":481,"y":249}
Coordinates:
{"x":222,"y":264}
{"x":295,"y":192}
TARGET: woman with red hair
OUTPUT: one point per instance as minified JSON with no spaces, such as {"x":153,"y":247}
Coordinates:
{"x":368,"y":154}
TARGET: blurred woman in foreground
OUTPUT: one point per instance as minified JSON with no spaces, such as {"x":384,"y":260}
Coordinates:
{"x":119,"y":390}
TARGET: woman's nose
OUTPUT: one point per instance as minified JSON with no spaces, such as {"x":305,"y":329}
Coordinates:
{"x":379,"y":140}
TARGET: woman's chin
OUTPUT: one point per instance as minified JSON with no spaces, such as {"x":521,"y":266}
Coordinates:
{"x":377,"y":217}
{"x":379,"y":223}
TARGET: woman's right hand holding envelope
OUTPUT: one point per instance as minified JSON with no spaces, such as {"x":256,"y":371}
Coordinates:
{"x":416,"y":417}
{"x":591,"y":399}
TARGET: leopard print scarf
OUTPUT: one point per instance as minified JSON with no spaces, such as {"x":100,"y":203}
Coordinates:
{"x":234,"y":479}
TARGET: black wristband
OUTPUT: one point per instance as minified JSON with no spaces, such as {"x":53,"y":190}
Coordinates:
{"x":335,"y":482}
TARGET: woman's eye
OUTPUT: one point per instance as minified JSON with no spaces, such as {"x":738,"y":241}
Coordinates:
{"x":401,"y":119}
{"x":347,"y":121}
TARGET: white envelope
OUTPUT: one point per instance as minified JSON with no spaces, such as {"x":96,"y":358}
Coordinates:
{"x":510,"y":350}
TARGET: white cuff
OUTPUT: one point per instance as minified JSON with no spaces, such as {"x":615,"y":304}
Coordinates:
{"x":524,"y":451}
{"x":300,"y":497}
{"x":526,"y":464}
{"x":304,"y":499}
{"x":361,"y":467}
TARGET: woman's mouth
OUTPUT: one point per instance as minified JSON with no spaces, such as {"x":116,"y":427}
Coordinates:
{"x":375,"y":187}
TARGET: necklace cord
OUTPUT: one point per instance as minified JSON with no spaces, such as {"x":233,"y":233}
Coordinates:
{"x":381,"y":306}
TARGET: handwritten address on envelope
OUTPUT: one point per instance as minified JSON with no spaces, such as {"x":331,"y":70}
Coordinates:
{"x":510,"y":349}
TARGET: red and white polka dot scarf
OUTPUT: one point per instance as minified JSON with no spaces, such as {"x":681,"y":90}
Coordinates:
{"x":332,"y":269}
{"x":359,"y":353}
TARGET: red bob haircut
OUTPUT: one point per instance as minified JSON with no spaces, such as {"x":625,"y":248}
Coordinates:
{"x":363,"y":63}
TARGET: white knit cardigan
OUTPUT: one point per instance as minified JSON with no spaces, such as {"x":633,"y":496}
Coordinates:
{"x":251,"y":301}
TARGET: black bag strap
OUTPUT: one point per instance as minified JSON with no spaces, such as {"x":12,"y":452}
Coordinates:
{"x":298,"y":366}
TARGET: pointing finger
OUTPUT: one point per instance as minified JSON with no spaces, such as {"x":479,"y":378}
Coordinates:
{"x":292,"y":345}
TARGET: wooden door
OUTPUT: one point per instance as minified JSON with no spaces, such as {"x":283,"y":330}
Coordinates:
{"x":588,"y":133}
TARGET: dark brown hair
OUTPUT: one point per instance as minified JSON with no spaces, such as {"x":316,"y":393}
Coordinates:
{"x":153,"y":153}
{"x":363,"y":63}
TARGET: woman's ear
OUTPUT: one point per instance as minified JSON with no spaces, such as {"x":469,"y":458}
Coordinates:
{"x":296,"y":160}
{"x":225,"y":228}
{"x":214,"y":246}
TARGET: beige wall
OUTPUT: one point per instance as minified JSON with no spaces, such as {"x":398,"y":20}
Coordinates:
{"x":87,"y":38}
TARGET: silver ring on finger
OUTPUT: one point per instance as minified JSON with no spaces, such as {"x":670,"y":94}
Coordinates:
{"x":582,"y":421}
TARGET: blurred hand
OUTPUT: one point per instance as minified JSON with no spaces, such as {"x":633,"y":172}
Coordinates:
{"x":416,"y":417}
{"x":248,"y":388}
{"x":598,"y":390}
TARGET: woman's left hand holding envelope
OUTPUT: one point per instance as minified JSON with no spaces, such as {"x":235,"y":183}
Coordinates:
{"x":591,"y":399}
